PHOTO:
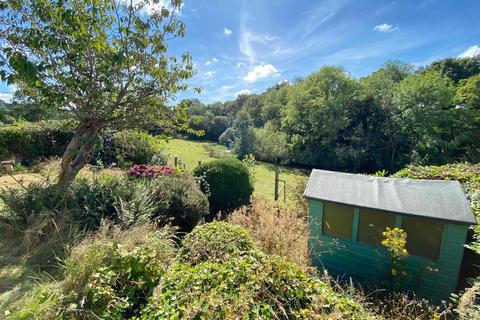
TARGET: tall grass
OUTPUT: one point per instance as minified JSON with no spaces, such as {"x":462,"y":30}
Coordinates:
{"x":276,"y":229}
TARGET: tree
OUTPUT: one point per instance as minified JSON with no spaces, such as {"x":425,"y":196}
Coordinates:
{"x":456,"y":68}
{"x":468,"y":93}
{"x":244,"y":137}
{"x":318,"y":110}
{"x":424,"y":103}
{"x":104,"y":60}
{"x":270,"y":145}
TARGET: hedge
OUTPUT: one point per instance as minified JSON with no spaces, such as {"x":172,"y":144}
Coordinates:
{"x":30,"y":141}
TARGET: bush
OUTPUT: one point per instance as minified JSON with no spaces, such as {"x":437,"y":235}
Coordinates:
{"x":87,"y":201}
{"x":252,"y":286}
{"x":129,"y":147}
{"x":215,"y":241}
{"x":136,"y":147}
{"x":178,"y":199}
{"x":27,"y":142}
{"x":229,"y":184}
{"x":147,"y":171}
{"x":109,"y":275}
{"x":115,"y":197}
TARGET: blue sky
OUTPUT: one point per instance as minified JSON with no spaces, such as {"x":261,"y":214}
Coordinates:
{"x":247,"y":46}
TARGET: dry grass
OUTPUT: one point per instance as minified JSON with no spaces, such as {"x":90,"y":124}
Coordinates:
{"x":276,"y":229}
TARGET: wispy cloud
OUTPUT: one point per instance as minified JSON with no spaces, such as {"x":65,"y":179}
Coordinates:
{"x":386,"y":8}
{"x":210,"y":74}
{"x":261,"y":71}
{"x":321,"y":14}
{"x":227,"y":31}
{"x":250,"y":43}
{"x":243,"y":92}
{"x":471,"y":52}
{"x":211,"y":61}
{"x":385,"y":27}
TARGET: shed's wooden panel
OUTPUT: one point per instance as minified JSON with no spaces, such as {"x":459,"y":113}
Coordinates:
{"x":370,"y":263}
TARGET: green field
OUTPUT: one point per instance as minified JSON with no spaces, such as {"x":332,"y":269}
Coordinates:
{"x":190,"y":152}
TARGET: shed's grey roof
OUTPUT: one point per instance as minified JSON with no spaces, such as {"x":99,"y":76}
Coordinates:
{"x":435,"y":199}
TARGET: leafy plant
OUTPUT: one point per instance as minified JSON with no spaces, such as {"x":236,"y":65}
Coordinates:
{"x":215,"y":241}
{"x":229,"y":184}
{"x":136,"y":147}
{"x":395,"y":241}
{"x":178,"y":200}
{"x":251,"y":286}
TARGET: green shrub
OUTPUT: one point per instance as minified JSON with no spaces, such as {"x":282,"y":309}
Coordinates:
{"x":178,"y":199}
{"x":27,"y":142}
{"x":229,"y":184}
{"x":252,"y":286}
{"x":136,"y":147}
{"x":115,"y":197}
{"x":109,"y":275}
{"x":86,"y":201}
{"x":215,"y":241}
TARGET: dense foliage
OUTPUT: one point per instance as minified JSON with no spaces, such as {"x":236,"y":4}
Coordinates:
{"x":28,"y":142}
{"x":178,"y":200}
{"x":136,"y":147}
{"x":253,"y":286}
{"x":384,"y":121}
{"x":115,"y":197}
{"x":215,"y":241}
{"x":120,"y":274}
{"x":228,"y":181}
{"x":109,"y":276}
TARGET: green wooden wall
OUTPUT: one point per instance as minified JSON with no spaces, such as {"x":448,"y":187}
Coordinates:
{"x":369,"y":264}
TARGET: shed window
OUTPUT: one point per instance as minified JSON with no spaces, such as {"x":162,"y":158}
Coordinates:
{"x":372,"y":223}
{"x":424,"y":237}
{"x":337,"y":220}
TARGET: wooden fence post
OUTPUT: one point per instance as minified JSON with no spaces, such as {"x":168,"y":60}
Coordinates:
{"x":277,"y":173}
{"x":175,"y":161}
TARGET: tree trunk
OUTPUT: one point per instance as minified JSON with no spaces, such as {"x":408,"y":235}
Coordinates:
{"x":79,"y":150}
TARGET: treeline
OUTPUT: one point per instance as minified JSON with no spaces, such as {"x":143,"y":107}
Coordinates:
{"x":395,"y":116}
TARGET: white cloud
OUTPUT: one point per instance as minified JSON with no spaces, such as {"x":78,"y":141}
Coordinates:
{"x":227,"y":31}
{"x":260,"y":71}
{"x":471,"y":52}
{"x":226,"y":88}
{"x":6,"y":96}
{"x":248,"y":41}
{"x":210,"y":74}
{"x":241,"y":92}
{"x":385,"y":27}
{"x":211,"y":61}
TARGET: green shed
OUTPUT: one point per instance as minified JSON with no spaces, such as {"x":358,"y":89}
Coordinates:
{"x":349,"y":212}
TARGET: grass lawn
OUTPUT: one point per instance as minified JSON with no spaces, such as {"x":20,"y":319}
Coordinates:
{"x":190,"y":152}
